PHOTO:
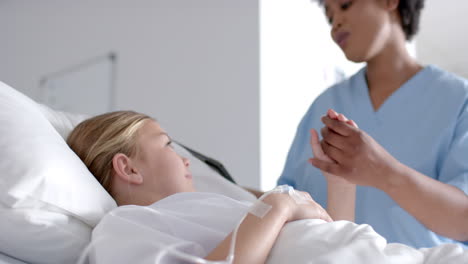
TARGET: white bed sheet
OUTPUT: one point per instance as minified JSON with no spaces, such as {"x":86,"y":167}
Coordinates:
{"x":314,"y":241}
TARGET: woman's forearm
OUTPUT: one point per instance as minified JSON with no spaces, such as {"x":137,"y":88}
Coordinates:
{"x":255,"y":237}
{"x":440,"y":207}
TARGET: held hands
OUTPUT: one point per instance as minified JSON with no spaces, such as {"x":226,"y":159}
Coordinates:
{"x":357,"y":157}
{"x":318,"y":151}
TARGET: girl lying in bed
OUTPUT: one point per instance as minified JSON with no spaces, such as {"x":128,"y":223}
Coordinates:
{"x":131,"y":156}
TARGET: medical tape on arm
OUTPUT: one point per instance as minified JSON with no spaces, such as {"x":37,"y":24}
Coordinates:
{"x":260,"y":208}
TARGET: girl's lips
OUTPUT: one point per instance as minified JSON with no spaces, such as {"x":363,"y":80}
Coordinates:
{"x":341,"y":38}
{"x":189,"y":176}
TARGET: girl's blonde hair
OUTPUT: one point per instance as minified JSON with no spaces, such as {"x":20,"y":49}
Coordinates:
{"x":98,"y":139}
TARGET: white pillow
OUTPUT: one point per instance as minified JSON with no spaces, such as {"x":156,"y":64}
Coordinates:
{"x":63,"y":122}
{"x":49,"y":200}
{"x":41,"y":166}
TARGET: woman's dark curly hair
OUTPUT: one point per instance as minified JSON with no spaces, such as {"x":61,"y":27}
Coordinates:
{"x":410,"y":13}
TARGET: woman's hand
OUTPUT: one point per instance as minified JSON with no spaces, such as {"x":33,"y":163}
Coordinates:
{"x":318,"y":151}
{"x":358,"y":157}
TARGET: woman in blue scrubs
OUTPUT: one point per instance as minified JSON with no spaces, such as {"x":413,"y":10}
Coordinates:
{"x":409,"y":157}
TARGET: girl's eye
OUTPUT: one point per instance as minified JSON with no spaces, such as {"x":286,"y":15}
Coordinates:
{"x":169,"y":143}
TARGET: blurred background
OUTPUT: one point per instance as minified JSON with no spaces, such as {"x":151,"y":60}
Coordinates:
{"x":229,"y":78}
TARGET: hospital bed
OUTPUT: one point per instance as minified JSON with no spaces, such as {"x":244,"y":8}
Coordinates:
{"x":49,"y":202}
{"x":33,"y":226}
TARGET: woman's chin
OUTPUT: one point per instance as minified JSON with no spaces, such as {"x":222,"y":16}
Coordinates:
{"x":356,"y":58}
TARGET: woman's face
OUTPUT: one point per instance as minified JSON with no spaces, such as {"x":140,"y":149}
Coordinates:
{"x":359,"y":27}
{"x":164,"y":171}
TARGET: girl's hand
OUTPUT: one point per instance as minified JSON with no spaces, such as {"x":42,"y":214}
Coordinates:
{"x":294,"y":211}
{"x":318,"y":153}
{"x":309,"y":210}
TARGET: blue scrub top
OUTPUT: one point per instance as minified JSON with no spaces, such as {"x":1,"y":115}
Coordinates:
{"x":423,"y":124}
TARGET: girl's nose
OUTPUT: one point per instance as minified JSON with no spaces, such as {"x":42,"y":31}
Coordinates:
{"x":186,"y":161}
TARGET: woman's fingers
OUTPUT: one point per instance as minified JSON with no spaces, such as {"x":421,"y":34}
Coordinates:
{"x":341,"y":117}
{"x":332,"y":114}
{"x":352,"y":123}
{"x":334,"y":139}
{"x":328,"y":167}
{"x":338,"y":126}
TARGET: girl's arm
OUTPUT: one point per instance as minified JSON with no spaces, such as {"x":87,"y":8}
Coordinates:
{"x":341,"y":197}
{"x":256,"y":236}
{"x":341,"y":194}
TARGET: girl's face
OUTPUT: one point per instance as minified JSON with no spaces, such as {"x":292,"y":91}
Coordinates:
{"x":163,"y":170}
{"x":361,"y":28}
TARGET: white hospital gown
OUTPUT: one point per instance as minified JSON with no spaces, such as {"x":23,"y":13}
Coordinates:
{"x":194,"y":223}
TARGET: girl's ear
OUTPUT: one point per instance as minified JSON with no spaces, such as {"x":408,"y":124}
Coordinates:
{"x":125,"y":170}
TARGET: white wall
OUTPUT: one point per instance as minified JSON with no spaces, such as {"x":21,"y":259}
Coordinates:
{"x":443,"y":38}
{"x":192,"y":64}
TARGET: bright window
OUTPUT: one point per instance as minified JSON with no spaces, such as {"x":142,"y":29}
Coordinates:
{"x":298,"y":61}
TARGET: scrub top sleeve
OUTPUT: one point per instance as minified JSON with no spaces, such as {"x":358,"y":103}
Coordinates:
{"x":454,"y":168}
{"x":293,"y":169}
